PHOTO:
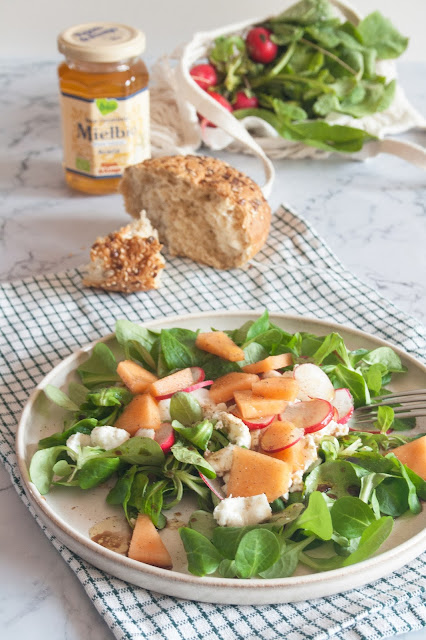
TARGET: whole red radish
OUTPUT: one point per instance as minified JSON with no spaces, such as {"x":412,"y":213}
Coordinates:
{"x":204,"y":75}
{"x":243,"y":101}
{"x":221,"y":100}
{"x":260,"y":46}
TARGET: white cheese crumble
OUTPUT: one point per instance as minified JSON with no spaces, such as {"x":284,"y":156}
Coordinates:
{"x":237,"y":432}
{"x":239,"y":512}
{"x":164,"y":407}
{"x":221,"y":460}
{"x":332,"y":429}
{"x":108,"y":437}
{"x":146,"y":433}
{"x":78,"y":440}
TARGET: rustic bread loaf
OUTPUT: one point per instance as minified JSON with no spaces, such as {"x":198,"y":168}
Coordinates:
{"x":126,"y":260}
{"x":203,"y":208}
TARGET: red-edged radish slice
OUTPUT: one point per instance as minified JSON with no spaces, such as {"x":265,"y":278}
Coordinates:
{"x":310,"y":415}
{"x":344,"y":404}
{"x":213,"y":485}
{"x":375,"y":432}
{"x":198,"y":385}
{"x":253,"y":424}
{"x":279,"y":436}
{"x":198,"y":374}
{"x":313,"y":382}
{"x":165,"y":436}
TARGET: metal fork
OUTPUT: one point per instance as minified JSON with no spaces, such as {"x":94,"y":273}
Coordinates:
{"x":406,"y":404}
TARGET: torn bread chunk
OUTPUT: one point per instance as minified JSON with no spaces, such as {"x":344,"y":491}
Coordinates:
{"x":203,"y":208}
{"x":126,"y":260}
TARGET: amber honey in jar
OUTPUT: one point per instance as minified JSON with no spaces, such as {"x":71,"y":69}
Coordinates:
{"x":104,"y":103}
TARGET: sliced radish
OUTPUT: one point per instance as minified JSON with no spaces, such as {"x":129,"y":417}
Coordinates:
{"x":198,"y":374}
{"x":375,"y":432}
{"x":279,"y":436}
{"x":253,"y":424}
{"x":344,"y":404}
{"x":213,"y":485}
{"x":310,"y":415}
{"x":313,"y":382}
{"x":165,"y":436}
{"x":198,"y":385}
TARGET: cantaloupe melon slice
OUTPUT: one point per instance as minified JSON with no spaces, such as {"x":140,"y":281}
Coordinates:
{"x":252,"y":406}
{"x":172,"y":383}
{"x":253,"y":473}
{"x":220,"y":344}
{"x":278,"y":388}
{"x":270,"y":363}
{"x":141,"y":413}
{"x":135,"y":377}
{"x":222,"y":389}
{"x":147,"y":546}
{"x":294,"y":456}
{"x":413,"y":454}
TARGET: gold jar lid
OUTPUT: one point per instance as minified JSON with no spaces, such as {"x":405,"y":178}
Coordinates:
{"x":101,"y":42}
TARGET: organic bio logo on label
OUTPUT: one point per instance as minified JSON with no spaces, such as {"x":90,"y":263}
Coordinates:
{"x":106,"y":105}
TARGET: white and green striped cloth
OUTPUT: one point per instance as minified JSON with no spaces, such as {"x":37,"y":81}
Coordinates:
{"x":45,"y":318}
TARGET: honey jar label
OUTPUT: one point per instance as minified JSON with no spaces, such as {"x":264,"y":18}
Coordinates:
{"x":104,"y":135}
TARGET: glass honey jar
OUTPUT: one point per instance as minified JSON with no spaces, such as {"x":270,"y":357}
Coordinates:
{"x":104,"y":104}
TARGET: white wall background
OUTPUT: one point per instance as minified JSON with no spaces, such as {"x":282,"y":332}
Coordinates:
{"x":28,"y":28}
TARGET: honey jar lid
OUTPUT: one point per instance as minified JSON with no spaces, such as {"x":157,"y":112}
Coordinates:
{"x":101,"y":42}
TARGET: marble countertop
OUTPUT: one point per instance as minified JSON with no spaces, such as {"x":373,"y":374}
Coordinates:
{"x":373,"y":216}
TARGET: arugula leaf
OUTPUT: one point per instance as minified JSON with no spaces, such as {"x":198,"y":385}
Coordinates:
{"x":215,"y":367}
{"x":95,"y":471}
{"x":175,"y":353}
{"x":315,"y":520}
{"x":190,"y":456}
{"x":288,"y":559}
{"x":253,"y":352}
{"x":83,"y":426}
{"x":41,"y":467}
{"x":351,"y":516}
{"x":355,"y":382}
{"x":109,"y":397}
{"x":140,"y":451}
{"x":120,"y":493}
{"x":60,"y":398}
{"x":203,"y":557}
{"x":337,"y":478}
{"x":385,"y":418}
{"x":199,"y":434}
{"x":100,"y":368}
{"x":333,"y":342}
{"x":185,"y":409}
{"x":259,"y":326}
{"x":371,"y":540}
{"x":257,"y":551}
{"x":136,"y":341}
{"x":378,"y":32}
{"x":77,"y":393}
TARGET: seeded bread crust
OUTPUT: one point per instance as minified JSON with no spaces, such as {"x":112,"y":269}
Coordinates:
{"x":126,"y":260}
{"x":204,"y":178}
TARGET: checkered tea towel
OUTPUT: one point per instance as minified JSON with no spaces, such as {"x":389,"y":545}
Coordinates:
{"x":45,"y":318}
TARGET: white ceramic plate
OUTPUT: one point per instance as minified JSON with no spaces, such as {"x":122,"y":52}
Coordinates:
{"x":70,"y":513}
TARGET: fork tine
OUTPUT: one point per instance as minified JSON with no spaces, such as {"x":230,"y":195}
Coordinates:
{"x":417,"y":413}
{"x":412,"y":404}
{"x":400,"y":394}
{"x":389,"y":401}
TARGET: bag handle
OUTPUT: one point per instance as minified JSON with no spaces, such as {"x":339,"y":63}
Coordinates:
{"x":212,"y":110}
